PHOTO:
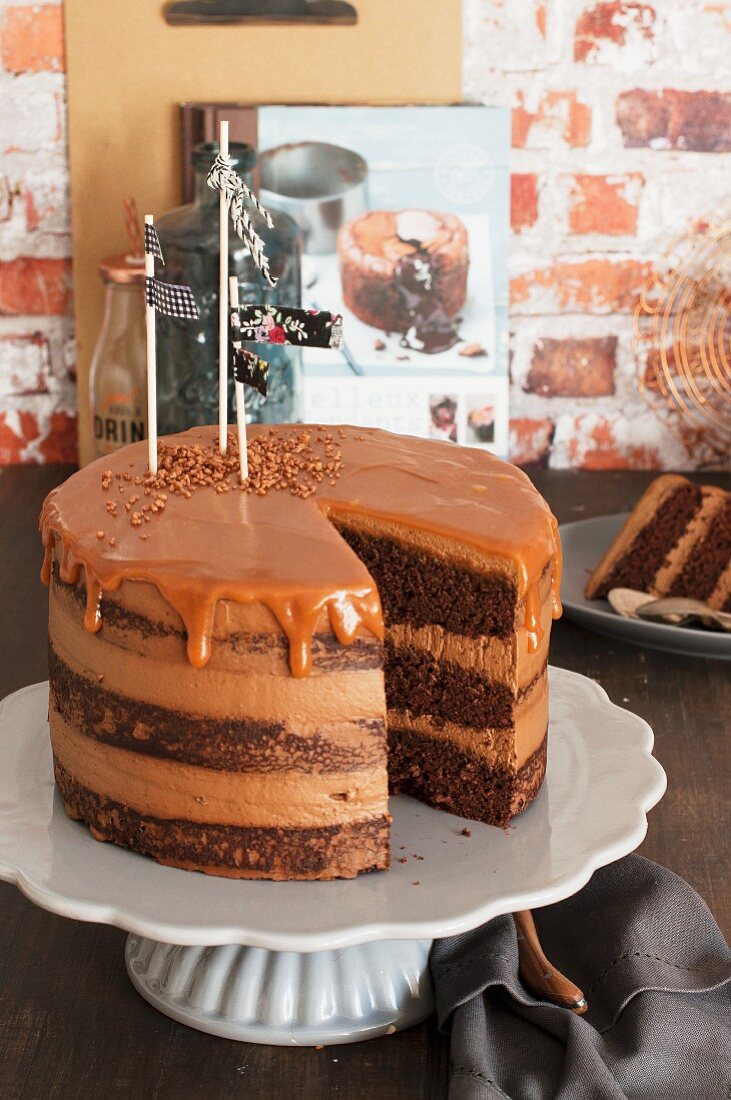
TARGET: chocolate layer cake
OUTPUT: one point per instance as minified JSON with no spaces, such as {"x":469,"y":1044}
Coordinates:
{"x":406,"y":272}
{"x":676,"y":542}
{"x":236,"y":670}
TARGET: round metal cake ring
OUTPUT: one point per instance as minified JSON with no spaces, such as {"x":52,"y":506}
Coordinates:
{"x":330,"y":962}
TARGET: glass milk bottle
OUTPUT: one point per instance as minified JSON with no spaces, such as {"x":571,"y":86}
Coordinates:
{"x":117,"y":377}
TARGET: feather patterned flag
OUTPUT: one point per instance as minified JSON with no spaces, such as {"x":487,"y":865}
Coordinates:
{"x":250,"y":370}
{"x":238,"y":196}
{"x":152,"y":243}
{"x":171,"y":299}
{"x":263,"y":324}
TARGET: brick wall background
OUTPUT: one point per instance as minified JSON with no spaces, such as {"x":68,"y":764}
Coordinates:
{"x":37,"y":391}
{"x":621,"y":130}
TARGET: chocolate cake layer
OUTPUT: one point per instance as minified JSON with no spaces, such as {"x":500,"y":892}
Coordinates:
{"x":338,"y":851}
{"x":637,"y":565}
{"x":424,"y":590}
{"x":451,"y":779}
{"x":422,"y":685}
{"x":234,"y":744}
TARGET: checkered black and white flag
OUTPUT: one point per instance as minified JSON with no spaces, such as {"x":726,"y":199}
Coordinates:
{"x":152,"y":242}
{"x":251,"y":369}
{"x":171,"y":299}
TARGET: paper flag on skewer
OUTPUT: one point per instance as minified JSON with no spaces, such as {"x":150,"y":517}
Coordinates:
{"x":251,"y":370}
{"x":171,"y":299}
{"x":152,"y":243}
{"x":238,"y":194}
{"x":315,"y":328}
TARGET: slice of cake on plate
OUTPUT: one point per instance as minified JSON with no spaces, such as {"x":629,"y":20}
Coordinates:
{"x":675,"y":542}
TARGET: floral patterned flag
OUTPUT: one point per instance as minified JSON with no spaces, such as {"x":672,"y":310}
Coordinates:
{"x":250,"y":369}
{"x":315,"y":328}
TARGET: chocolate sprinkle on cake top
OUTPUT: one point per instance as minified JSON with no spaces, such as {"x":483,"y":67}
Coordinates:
{"x":295,"y":461}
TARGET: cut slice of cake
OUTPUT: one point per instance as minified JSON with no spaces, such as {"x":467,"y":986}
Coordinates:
{"x":676,"y":542}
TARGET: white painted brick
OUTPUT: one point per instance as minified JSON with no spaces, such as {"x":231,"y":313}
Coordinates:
{"x":509,"y":32}
{"x":46,"y":198}
{"x":24,"y":365}
{"x":640,"y":26}
{"x":698,"y":33}
{"x":32,"y":114}
{"x":572,"y":440}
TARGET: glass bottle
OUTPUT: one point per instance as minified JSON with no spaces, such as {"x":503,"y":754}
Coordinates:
{"x":118,"y":372}
{"x":187,"y":351}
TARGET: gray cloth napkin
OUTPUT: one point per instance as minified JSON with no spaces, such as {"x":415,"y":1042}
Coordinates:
{"x":653,"y":964}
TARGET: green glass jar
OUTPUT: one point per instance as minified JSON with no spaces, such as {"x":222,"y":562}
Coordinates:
{"x":187,"y":351}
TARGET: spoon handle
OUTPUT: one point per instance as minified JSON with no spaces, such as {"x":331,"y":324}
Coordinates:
{"x":537,"y":972}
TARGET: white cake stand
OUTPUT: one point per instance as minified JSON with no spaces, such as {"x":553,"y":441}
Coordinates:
{"x":332,"y":962}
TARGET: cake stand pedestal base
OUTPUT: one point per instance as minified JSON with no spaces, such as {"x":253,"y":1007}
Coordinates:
{"x":286,"y":998}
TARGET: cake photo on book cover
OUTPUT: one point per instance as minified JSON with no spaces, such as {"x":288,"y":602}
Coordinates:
{"x":675,"y":542}
{"x":404,"y":214}
{"x":406,"y":271}
{"x":239,"y":670}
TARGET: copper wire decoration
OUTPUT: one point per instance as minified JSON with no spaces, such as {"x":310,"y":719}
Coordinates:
{"x":682,"y":337}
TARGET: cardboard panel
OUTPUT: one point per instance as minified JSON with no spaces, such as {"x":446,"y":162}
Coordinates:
{"x":128,"y":71}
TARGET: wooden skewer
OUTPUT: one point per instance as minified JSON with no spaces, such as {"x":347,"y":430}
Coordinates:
{"x":132,"y":225}
{"x":223,"y":319}
{"x":537,"y":972}
{"x":233,"y":293}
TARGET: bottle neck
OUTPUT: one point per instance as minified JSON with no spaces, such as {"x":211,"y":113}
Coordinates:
{"x":207,"y":196}
{"x":125,"y":303}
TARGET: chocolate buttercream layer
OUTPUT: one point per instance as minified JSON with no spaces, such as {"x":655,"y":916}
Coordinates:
{"x":170,"y":789}
{"x":449,"y":778}
{"x":233,"y":745}
{"x":168,"y":680}
{"x":710,"y":557}
{"x":337,"y":851}
{"x":129,"y":628}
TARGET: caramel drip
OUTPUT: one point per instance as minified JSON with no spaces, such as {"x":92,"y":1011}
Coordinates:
{"x":533,"y":626}
{"x":284,"y":552}
{"x":556,"y":571}
{"x":93,"y":613}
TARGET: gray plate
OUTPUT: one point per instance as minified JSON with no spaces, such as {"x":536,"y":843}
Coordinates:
{"x":584,"y":543}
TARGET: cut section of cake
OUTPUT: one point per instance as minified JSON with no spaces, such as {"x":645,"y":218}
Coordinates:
{"x":675,"y":542}
{"x":236,"y":671}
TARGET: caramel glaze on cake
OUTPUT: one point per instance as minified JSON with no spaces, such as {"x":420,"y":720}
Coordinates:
{"x":217,"y":668}
{"x":374,"y":246}
{"x":675,"y":542}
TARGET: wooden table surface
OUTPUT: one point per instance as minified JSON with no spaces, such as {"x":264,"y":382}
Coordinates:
{"x":71,"y":1026}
